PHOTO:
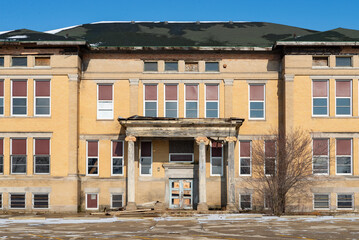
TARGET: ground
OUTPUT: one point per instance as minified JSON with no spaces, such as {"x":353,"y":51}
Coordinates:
{"x":231,"y":227}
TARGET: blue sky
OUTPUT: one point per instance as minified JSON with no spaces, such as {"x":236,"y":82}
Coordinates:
{"x":42,"y":15}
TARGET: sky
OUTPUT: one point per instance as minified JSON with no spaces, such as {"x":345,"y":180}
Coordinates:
{"x":43,"y":15}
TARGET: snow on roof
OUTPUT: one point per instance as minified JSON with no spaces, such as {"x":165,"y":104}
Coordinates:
{"x":18,"y":36}
{"x":3,"y":32}
{"x":60,"y":29}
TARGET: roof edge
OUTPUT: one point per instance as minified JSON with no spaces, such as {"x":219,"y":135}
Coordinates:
{"x":156,"y":48}
{"x":314,"y":43}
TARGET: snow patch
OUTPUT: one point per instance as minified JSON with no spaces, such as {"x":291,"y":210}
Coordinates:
{"x":60,"y":29}
{"x":3,"y":32}
{"x":18,"y":36}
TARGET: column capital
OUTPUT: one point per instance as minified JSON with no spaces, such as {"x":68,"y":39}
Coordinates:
{"x":204,"y":140}
{"x":130,"y":139}
{"x":134,"y":81}
{"x":73,"y":77}
{"x":231,"y":139}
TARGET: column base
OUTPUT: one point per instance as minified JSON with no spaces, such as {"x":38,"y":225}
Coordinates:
{"x":202,"y":207}
{"x":131,"y":206}
{"x":231,"y":207}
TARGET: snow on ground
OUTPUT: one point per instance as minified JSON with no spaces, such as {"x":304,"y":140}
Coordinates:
{"x":60,"y":29}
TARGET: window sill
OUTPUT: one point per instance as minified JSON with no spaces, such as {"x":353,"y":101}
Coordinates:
{"x":104,"y":119}
{"x":256,"y":119}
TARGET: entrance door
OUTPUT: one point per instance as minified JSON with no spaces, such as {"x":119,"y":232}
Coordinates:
{"x":181,"y":194}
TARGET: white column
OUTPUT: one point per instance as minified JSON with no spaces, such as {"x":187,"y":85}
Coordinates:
{"x":202,"y":205}
{"x":131,"y":192}
{"x":231,"y":197}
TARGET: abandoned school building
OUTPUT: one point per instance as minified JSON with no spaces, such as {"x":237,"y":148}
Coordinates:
{"x":123,"y":113}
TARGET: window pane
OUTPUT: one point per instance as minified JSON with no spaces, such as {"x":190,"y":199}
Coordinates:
{"x":19,"y":61}
{"x":191,"y":109}
{"x":343,"y":61}
{"x":171,"y":66}
{"x":1,"y":165}
{"x":150,"y":109}
{"x":171,"y":109}
{"x":212,"y":67}
{"x":151,"y":66}
{"x":321,"y":201}
{"x":145,"y":170}
{"x":1,"y":106}
{"x":256,"y":109}
{"x":212,"y":109}
{"x":320,"y":102}
{"x":345,"y":201}
{"x":41,"y":200}
{"x":320,"y":165}
{"x":42,"y":106}
{"x":1,"y":61}
{"x":19,"y":106}
{"x":42,"y":164}
{"x":17,"y":200}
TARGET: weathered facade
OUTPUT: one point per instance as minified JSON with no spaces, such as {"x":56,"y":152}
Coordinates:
{"x":122,"y":114}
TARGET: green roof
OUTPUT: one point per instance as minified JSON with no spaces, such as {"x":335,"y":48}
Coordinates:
{"x":335,"y":35}
{"x":26,"y":35}
{"x":183,"y":34}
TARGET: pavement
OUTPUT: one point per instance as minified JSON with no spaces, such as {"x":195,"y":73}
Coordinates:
{"x":210,"y":226}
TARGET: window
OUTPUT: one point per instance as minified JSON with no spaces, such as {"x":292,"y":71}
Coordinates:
{"x":321,"y":201}
{"x":42,"y":156}
{"x":191,"y":101}
{"x":1,"y":61}
{"x":150,"y":100}
{"x":191,"y":66}
{"x":91,"y":201}
{"x":320,"y":61}
{"x":320,"y":156}
{"x":269,"y":152}
{"x":92,"y":158}
{"x":181,"y":151}
{"x":343,"y":99}
{"x":216,"y":159}
{"x":42,"y":61}
{"x":212,"y":67}
{"x":19,"y":62}
{"x":1,"y":201}
{"x":246,"y":201}
{"x":150,"y":67}
{"x":245,"y":158}
{"x":104,"y":101}
{"x":146,"y":158}
{"x":171,"y":66}
{"x":256,"y":101}
{"x":320,"y":98}
{"x":212,"y":103}
{"x":343,"y":61}
{"x":116,"y":201}
{"x":117,"y":157}
{"x":1,"y":97}
{"x":40,"y":200}
{"x":344,"y":200}
{"x":18,"y":156}
{"x":344,"y":156}
{"x":17,"y":200}
{"x":1,"y":156}
{"x":171,"y":101}
{"x":19,"y":97}
{"x":42,"y":97}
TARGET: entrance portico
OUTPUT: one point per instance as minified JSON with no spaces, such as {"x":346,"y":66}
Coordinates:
{"x":203,"y":131}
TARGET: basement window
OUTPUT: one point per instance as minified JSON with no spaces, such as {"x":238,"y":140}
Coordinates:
{"x":17,"y":200}
{"x":116,"y":201}
{"x":42,"y":61}
{"x":246,"y":201}
{"x":345,"y":201}
{"x":41,"y":200}
{"x":320,"y":61}
{"x":321,"y":201}
{"x":0,"y":200}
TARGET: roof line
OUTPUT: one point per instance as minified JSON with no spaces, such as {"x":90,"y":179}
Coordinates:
{"x":316,"y":43}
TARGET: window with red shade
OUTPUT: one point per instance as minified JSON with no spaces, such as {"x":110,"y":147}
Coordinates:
{"x":270,"y":157}
{"x":18,"y":156}
{"x":171,"y":100}
{"x":245,"y":158}
{"x":212,"y":101}
{"x":104,"y":101}
{"x":343,"y":97}
{"x":42,"y":156}
{"x":256,"y":101}
{"x":344,"y":156}
{"x":42,"y":98}
{"x":92,"y":158}
{"x":320,"y":156}
{"x":19,"y":97}
{"x":117,"y":158}
{"x":150,"y":100}
{"x":216,"y":159}
{"x":1,"y":156}
{"x":320,"y":101}
{"x":1,"y":97}
{"x":191,"y":101}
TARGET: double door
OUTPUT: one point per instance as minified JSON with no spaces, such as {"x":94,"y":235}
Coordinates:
{"x":181,"y":193}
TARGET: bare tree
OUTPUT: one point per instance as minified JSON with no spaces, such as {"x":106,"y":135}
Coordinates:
{"x":281,"y":162}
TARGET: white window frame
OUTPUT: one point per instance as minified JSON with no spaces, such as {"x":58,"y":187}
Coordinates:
{"x":49,"y":97}
{"x":208,"y":101}
{"x":113,"y":157}
{"x":351,"y":98}
{"x":314,"y":208}
{"x":12,"y":98}
{"x":98,"y":158}
{"x":221,"y":174}
{"x":250,"y":157}
{"x":166,"y":101}
{"x":351,"y":157}
{"x":112,"y":207}
{"x":327,"y":98}
{"x":151,"y":169}
{"x":240,"y":201}
{"x":10,"y":199}
{"x":16,"y":155}
{"x":98,"y":117}
{"x":3,"y":98}
{"x":97,"y":198}
{"x":186,"y":101}
{"x":34,"y":156}
{"x":144,"y":99}
{"x":43,"y":193}
{"x":328,"y":156}
{"x":352,"y":194}
{"x":249,"y":101}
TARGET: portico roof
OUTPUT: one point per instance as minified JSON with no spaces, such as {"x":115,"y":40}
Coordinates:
{"x":139,"y":126}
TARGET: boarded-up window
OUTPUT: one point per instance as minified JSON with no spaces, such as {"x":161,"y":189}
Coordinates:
{"x":320,"y":156}
{"x":320,"y":61}
{"x":171,"y":104}
{"x":344,"y":156}
{"x":270,"y":154}
{"x":105,"y":102}
{"x":41,"y":200}
{"x":92,"y":157}
{"x":256,"y":101}
{"x":117,"y":157}
{"x":19,"y":97}
{"x":146,"y":158}
{"x":191,"y":66}
{"x":343,"y":97}
{"x":216,"y":159}
{"x":91,"y":201}
{"x":42,"y":61}
{"x":245,"y":158}
{"x":181,"y":151}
